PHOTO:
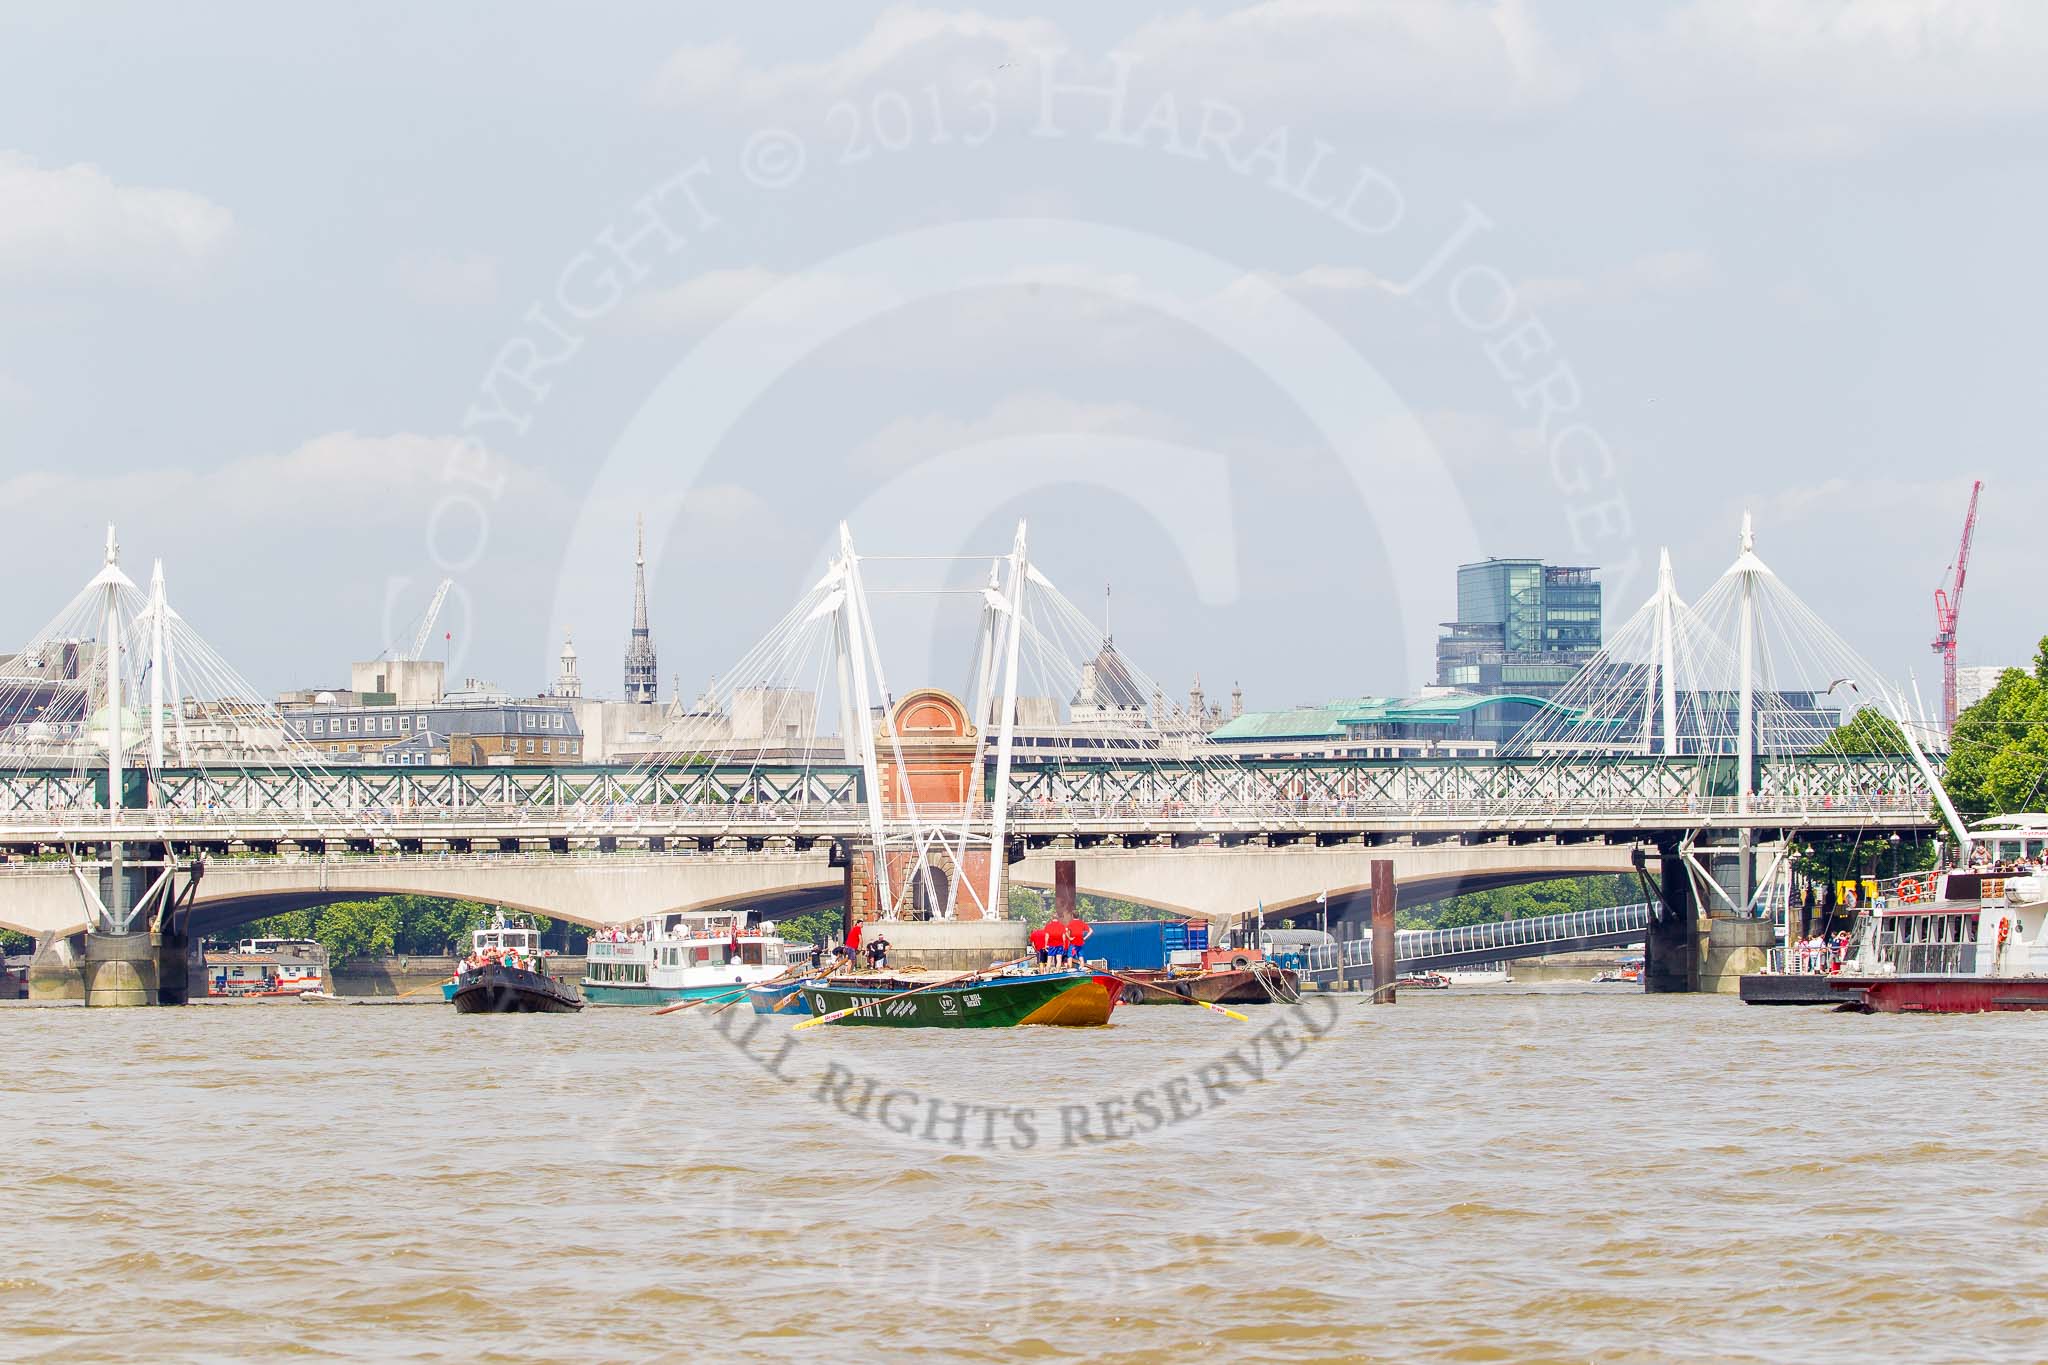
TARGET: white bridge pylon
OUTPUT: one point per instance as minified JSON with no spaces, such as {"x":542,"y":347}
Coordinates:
{"x":1033,"y":652}
{"x":1748,"y":672}
{"x":895,"y":823}
{"x":118,"y":684}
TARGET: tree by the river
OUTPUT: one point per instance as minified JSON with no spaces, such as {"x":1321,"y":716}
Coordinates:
{"x":410,"y":926}
{"x":1998,"y":754}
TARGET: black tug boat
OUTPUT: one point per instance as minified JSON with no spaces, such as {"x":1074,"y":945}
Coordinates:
{"x":498,"y":988}
{"x":506,"y":973}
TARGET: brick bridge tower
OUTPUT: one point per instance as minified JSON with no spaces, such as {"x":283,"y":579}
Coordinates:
{"x":937,"y":778}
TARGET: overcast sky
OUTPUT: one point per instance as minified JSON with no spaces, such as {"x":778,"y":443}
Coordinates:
{"x":1267,"y":316}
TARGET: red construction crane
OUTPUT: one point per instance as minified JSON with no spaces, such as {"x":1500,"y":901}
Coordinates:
{"x":1948,"y":604}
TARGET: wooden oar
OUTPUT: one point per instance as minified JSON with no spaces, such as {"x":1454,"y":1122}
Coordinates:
{"x":1184,"y":999}
{"x":775,"y":980}
{"x":731,"y":997}
{"x":702,"y":1000}
{"x":929,"y":986}
{"x":430,"y":986}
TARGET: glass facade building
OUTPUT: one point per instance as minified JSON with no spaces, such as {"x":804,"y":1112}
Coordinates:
{"x":1523,"y":626}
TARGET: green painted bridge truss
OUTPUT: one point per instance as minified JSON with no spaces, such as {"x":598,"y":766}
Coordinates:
{"x":1501,"y":786}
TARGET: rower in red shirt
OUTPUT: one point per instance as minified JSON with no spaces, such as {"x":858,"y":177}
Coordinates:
{"x":849,"y":947}
{"x":1075,"y":933}
{"x":1041,"y":937}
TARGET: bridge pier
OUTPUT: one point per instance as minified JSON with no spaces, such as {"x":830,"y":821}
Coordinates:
{"x":1671,"y":947}
{"x":1736,"y":946}
{"x":180,"y":962}
{"x":57,"y":971}
{"x":121,"y":970}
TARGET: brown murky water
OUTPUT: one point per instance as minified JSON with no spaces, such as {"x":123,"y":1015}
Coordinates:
{"x":1476,"y":1176}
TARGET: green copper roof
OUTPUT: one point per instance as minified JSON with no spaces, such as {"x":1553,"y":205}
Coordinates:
{"x":1300,"y":722}
{"x":1443,"y":709}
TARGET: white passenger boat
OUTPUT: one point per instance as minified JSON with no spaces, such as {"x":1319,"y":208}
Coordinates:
{"x":267,"y":966}
{"x":1961,"y":940}
{"x":689,"y":956}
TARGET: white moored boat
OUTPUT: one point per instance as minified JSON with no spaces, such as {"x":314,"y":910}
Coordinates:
{"x":1962,"y":939}
{"x":687,"y":956}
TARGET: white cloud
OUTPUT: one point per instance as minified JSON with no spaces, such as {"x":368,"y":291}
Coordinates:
{"x":914,"y":440}
{"x":1822,"y":78}
{"x":340,"y":482}
{"x":74,"y":221}
{"x":707,"y":300}
{"x":1331,"y":279}
{"x":1472,"y":442}
{"x":1074,"y":313}
{"x":1486,"y":58}
{"x":906,"y":42}
{"x":443,"y":280}
{"x":1660,"y":274}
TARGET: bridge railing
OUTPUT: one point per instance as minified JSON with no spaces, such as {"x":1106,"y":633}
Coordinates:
{"x":418,"y":861}
{"x":609,"y":818}
{"x":1412,"y":945}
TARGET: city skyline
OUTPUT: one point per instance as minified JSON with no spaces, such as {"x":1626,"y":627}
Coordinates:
{"x":638,"y":656}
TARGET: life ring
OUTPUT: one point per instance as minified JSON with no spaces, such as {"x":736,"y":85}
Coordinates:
{"x":1909,"y":891}
{"x":2004,"y":931}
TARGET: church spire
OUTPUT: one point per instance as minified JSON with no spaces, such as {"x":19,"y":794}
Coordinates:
{"x":643,"y":677}
{"x":640,"y":575}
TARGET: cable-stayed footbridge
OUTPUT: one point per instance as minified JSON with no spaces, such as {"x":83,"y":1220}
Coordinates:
{"x":134,"y":759}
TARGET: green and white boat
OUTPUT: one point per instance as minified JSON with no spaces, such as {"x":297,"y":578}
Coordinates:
{"x":1073,"y":999}
{"x":685,"y":956}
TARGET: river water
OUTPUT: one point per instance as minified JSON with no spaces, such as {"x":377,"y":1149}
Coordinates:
{"x":1474,"y":1175}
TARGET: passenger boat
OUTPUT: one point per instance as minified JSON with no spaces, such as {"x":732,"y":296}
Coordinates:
{"x":1630,"y":971}
{"x":1965,"y":940}
{"x":1423,"y":981}
{"x":267,"y":966}
{"x":684,"y":956}
{"x":506,"y":973}
{"x":500,"y":938}
{"x":504,"y":986}
{"x":935,"y":1000}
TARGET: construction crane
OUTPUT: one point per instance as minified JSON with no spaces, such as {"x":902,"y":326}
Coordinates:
{"x":419,"y":641}
{"x":1948,"y":605}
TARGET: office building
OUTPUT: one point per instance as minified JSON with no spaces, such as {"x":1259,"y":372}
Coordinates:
{"x":1523,"y":627}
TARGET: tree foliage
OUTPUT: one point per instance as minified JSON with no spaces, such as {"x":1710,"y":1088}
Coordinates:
{"x":819,"y":926}
{"x":1034,"y":907}
{"x":1869,"y":732}
{"x":1556,"y":897}
{"x":410,"y":926}
{"x":1998,"y":754}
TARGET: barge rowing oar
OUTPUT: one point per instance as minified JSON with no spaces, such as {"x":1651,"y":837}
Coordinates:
{"x":771,"y":981}
{"x":702,"y":1000}
{"x":734,"y":996}
{"x":920,"y":990}
{"x":1184,"y":999}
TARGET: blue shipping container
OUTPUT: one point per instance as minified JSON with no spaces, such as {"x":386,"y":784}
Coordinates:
{"x":1143,"y":945}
